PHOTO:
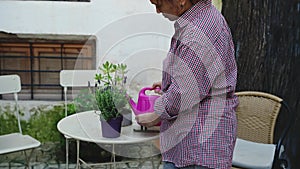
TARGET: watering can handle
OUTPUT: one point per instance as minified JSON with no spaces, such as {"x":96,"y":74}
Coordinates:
{"x":148,"y":88}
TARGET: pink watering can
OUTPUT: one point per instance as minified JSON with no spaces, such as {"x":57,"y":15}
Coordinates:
{"x":145,"y":102}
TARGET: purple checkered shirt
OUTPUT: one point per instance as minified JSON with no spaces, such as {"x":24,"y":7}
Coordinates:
{"x":197,"y":107}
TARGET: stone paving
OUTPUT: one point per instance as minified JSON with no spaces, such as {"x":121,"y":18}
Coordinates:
{"x":129,"y":165}
{"x":146,"y":165}
{"x":46,"y":157}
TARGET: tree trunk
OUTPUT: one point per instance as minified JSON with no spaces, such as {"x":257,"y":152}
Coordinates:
{"x":266,"y":37}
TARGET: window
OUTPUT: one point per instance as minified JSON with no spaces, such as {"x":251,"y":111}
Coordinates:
{"x":39,"y":65}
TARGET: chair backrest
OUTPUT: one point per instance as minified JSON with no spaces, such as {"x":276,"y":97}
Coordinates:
{"x":76,"y":78}
{"x":11,"y":84}
{"x":256,"y":115}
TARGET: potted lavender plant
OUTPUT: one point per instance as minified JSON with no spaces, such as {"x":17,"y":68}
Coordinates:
{"x":111,"y":99}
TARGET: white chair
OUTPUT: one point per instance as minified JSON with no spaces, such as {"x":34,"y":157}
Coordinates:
{"x":257,"y":116}
{"x":75,"y":78}
{"x":14,"y":142}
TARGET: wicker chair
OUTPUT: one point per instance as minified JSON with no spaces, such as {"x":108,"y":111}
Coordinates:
{"x":256,"y":115}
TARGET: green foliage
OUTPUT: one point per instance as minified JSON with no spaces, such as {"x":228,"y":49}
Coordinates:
{"x":85,"y":101}
{"x":111,"y":96}
{"x":41,"y":125}
{"x":8,"y":121}
{"x":106,"y":104}
{"x":117,"y":80}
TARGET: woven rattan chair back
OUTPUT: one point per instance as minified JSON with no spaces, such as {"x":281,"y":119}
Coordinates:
{"x":256,"y":115}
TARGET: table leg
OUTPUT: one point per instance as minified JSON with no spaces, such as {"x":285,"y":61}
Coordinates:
{"x":67,"y":153}
{"x":77,"y":156}
{"x":114,"y":155}
{"x":152,"y":158}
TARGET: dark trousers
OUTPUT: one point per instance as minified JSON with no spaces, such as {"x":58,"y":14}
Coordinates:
{"x":169,"y":165}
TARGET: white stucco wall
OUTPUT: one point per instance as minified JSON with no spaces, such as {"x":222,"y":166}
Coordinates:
{"x":51,"y":17}
{"x":127,"y":31}
{"x":123,"y":28}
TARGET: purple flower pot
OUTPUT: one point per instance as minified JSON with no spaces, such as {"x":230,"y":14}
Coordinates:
{"x":112,"y":127}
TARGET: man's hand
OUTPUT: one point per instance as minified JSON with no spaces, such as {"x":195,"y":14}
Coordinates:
{"x":148,"y":119}
{"x":157,"y":86}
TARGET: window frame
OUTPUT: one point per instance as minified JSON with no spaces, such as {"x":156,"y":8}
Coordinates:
{"x":32,"y":47}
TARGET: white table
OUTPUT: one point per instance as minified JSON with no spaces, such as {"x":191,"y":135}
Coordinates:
{"x":85,"y":126}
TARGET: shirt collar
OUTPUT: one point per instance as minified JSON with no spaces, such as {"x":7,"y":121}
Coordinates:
{"x":191,"y":13}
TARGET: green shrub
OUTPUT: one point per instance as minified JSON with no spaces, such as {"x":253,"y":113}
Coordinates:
{"x":85,"y":100}
{"x":8,"y":121}
{"x":41,"y":125}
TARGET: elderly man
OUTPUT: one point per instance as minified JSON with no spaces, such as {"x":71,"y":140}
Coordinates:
{"x":197,"y":103}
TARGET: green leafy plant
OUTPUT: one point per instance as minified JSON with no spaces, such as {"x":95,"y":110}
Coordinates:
{"x":42,"y":124}
{"x":110,"y":92}
{"x":85,"y":100}
{"x":8,"y":121}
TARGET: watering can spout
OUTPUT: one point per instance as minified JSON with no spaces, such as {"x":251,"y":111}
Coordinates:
{"x":133,"y":106}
